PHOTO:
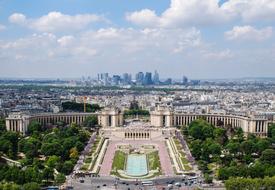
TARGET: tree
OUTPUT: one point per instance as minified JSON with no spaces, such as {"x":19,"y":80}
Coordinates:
{"x":67,"y":167}
{"x":10,"y":146}
{"x":208,"y":178}
{"x":248,"y":147}
{"x":223,"y":173}
{"x":203,"y":166}
{"x":9,"y":186}
{"x":73,"y":106}
{"x":83,"y":136}
{"x":30,"y":147}
{"x":239,"y":134}
{"x":233,"y":147}
{"x":32,"y":174}
{"x":47,"y":174}
{"x":49,"y":149}
{"x":215,"y":149}
{"x":270,"y":171}
{"x":207,"y":131}
{"x":5,"y":145}
{"x":53,"y":161}
{"x":247,"y":159}
{"x":196,"y":147}
{"x":195,"y":132}
{"x":31,"y":186}
{"x":184,"y":130}
{"x":220,"y":135}
{"x":257,"y":170}
{"x":69,"y":143}
{"x":248,"y":183}
{"x":73,"y":153}
{"x":34,"y":126}
{"x":60,"y":179}
{"x":268,"y":156}
{"x":136,"y":112}
{"x":91,"y":121}
{"x":271,"y":131}
{"x":79,"y":146}
{"x":200,"y":129}
{"x":205,"y":153}
{"x":2,"y":125}
{"x":262,"y":144}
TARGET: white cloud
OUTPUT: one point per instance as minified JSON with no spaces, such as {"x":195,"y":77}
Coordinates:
{"x":17,"y":18}
{"x":251,"y":10}
{"x":193,"y":12}
{"x":65,"y":40}
{"x":118,"y":50}
{"x":181,"y":13}
{"x":108,"y":42}
{"x":56,"y":21}
{"x":249,"y":33}
{"x":144,"y":17}
{"x":197,"y":12}
{"x":107,"y":33}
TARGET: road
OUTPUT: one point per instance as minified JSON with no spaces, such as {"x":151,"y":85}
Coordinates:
{"x":112,"y":183}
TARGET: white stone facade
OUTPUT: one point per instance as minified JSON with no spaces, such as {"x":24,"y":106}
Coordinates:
{"x":18,"y":122}
{"x":165,"y":117}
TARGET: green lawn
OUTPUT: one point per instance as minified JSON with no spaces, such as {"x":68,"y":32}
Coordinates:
{"x":119,"y":161}
{"x":88,"y":160}
{"x":153,"y":159}
{"x":184,"y":160}
{"x":181,"y":153}
{"x":94,"y":146}
{"x":187,"y":167}
{"x":84,"y":167}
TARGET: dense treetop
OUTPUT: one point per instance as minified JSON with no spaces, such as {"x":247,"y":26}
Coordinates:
{"x":45,"y":156}
{"x":231,"y":154}
{"x":79,"y":107}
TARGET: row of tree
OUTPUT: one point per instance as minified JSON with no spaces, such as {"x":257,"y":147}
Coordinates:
{"x":136,"y":112}
{"x":14,"y":186}
{"x":249,"y":183}
{"x":79,"y":107}
{"x":233,"y":154}
{"x":46,"y":152}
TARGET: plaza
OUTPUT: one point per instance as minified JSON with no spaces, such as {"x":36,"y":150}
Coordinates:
{"x":138,"y":151}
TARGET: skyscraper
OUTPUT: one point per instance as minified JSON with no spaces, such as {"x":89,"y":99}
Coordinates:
{"x":156,"y":78}
{"x":139,"y":77}
{"x":184,"y":80}
{"x":148,"y":78}
{"x":116,"y":79}
{"x":127,"y":78}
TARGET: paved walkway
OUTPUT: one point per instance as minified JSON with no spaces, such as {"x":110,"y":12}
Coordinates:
{"x":106,"y":166}
{"x":165,"y":162}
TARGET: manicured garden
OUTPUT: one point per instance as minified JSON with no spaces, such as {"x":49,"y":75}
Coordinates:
{"x":182,"y":155}
{"x":153,"y":160}
{"x":118,"y":162}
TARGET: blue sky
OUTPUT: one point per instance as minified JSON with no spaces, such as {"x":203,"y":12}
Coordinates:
{"x":200,"y":39}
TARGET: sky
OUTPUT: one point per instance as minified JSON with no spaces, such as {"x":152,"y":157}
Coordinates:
{"x":195,"y":38}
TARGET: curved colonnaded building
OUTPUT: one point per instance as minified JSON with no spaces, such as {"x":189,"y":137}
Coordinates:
{"x":160,"y":118}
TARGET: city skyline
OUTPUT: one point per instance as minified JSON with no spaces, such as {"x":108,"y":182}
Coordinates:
{"x":68,"y":39}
